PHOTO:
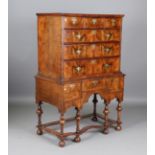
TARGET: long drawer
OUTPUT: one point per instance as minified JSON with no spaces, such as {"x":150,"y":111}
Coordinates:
{"x":94,"y":67}
{"x":91,"y":51}
{"x":76,"y":36}
{"x":92,"y":22}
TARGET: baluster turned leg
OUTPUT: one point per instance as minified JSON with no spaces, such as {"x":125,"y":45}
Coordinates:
{"x":39,"y":112}
{"x":106,"y":121}
{"x":119,"y":115}
{"x":94,"y":118}
{"x":77,"y":138}
{"x":62,"y":122}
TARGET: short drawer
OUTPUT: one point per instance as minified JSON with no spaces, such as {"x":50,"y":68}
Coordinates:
{"x":111,"y":35}
{"x":105,"y":84}
{"x":82,"y":35}
{"x":81,"y":51}
{"x":73,"y":36}
{"x":73,"y":22}
{"x":87,"y":68}
{"x":112,"y":22}
{"x":72,"y":91}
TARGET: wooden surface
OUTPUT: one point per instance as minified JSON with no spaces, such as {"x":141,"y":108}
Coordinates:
{"x":79,"y":55}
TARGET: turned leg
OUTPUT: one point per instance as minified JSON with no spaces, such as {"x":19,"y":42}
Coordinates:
{"x":62,"y":121}
{"x":106,"y":121}
{"x":39,"y":112}
{"x":119,"y":113}
{"x":94,"y":118}
{"x":77,"y":138}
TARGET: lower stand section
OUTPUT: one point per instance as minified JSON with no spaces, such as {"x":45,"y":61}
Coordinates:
{"x":106,"y":123}
{"x":62,"y":135}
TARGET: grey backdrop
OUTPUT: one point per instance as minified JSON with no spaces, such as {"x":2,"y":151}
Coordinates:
{"x":23,"y":41}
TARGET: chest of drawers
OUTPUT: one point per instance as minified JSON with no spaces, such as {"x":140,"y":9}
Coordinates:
{"x":78,"y":55}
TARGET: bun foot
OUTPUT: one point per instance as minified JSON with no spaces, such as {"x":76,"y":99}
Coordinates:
{"x":39,"y":132}
{"x":94,"y":119}
{"x":105,"y":131}
{"x":77,"y":139}
{"x":61,"y":143}
{"x":118,"y":128}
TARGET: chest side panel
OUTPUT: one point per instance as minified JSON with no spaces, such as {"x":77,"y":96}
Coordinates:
{"x":49,"y":46}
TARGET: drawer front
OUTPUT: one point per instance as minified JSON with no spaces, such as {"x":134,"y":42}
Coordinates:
{"x":74,"y":36}
{"x":108,"y":50}
{"x":94,"y":67}
{"x":111,"y":35}
{"x":82,"y":35}
{"x":92,"y":22}
{"x":92,"y":85}
{"x":91,"y":51}
{"x":81,"y":51}
{"x":106,"y":84}
{"x":112,"y":22}
{"x":73,"y":22}
{"x":72,"y":91}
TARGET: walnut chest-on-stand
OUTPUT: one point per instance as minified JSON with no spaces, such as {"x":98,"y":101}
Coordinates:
{"x":78,"y":55}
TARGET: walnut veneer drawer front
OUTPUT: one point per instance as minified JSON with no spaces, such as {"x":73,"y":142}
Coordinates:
{"x":91,"y":35}
{"x":94,"y":67}
{"x":83,"y":22}
{"x":106,"y":84}
{"x":90,"y":51}
{"x":72,"y":91}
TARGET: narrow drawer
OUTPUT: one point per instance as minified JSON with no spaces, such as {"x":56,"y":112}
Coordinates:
{"x":88,"y":68}
{"x":111,"y":35}
{"x":73,"y":22}
{"x":105,"y":84}
{"x":75,"y":36}
{"x":72,"y":91}
{"x":81,"y":51}
{"x":82,"y":35}
{"x":92,"y":22}
{"x":112,"y":22}
{"x":92,"y":85}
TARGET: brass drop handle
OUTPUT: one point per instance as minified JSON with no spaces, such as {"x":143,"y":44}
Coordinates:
{"x":94,"y":21}
{"x":94,"y":83}
{"x":74,"y":20}
{"x":79,"y":36}
{"x":107,"y":49}
{"x":113,"y":22}
{"x":107,"y":65}
{"x":78,"y":69}
{"x":108,"y":36}
{"x":77,"y":51}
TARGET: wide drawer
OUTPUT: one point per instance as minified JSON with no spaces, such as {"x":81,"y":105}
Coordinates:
{"x":92,"y":22}
{"x":105,"y":84}
{"x":91,"y":51}
{"x":72,"y":91}
{"x":75,"y":36}
{"x":94,"y":67}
